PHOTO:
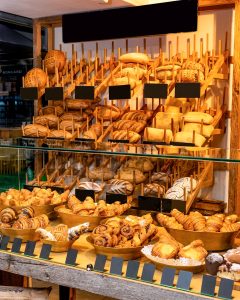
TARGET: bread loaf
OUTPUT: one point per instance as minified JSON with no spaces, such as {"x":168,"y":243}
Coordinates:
{"x":175,"y":192}
{"x":100,"y":173}
{"x":165,"y":122}
{"x":198,"y":117}
{"x":89,"y":134}
{"x":132,"y":175}
{"x":188,"y":137}
{"x":153,"y":189}
{"x":168,"y":72}
{"x":133,"y":57}
{"x":142,"y":164}
{"x":69,"y":125}
{"x":123,"y":187}
{"x":77,"y":104}
{"x":105,"y":112}
{"x":57,"y":110}
{"x":205,"y":130}
{"x":129,"y":125}
{"x":88,"y":185}
{"x":36,"y":77}
{"x":47,"y":120}
{"x":160,"y":177}
{"x":133,"y":137}
{"x":192,"y":76}
{"x":135,"y":72}
{"x":125,"y":80}
{"x":54,"y":59}
{"x":97,"y":128}
{"x":136,"y":116}
{"x":60,"y":134}
{"x":158,"y":135}
{"x":35,"y":130}
{"x":72,"y":116}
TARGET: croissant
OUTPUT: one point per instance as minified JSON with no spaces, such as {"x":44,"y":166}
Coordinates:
{"x":198,"y":221}
{"x":213,"y":224}
{"x":22,"y":223}
{"x":168,"y":222}
{"x":26,"y":212}
{"x":230,"y":227}
{"x":7,"y":215}
{"x":186,"y":221}
{"x":230,"y":219}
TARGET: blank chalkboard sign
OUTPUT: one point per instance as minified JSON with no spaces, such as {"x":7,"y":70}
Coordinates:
{"x":155,"y":90}
{"x":84,"y":92}
{"x":188,"y":90}
{"x":54,"y":93}
{"x":30,"y":93}
{"x":119,"y":92}
{"x":149,"y":203}
{"x":83,"y":194}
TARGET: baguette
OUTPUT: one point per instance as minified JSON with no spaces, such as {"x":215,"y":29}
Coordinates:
{"x":158,"y":135}
{"x":188,"y":137}
{"x":133,"y":57}
{"x":133,"y":137}
{"x":198,"y":117}
{"x":106,"y":111}
{"x":129,"y":125}
{"x":205,"y":130}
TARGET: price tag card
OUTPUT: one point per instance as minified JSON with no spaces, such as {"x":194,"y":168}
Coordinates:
{"x":149,"y":203}
{"x":71,"y":257}
{"x":55,"y":138}
{"x":30,"y":93}
{"x":154,"y":143}
{"x":82,"y":140}
{"x":54,"y":93}
{"x":208,"y":285}
{"x":29,"y":187}
{"x":117,"y":92}
{"x":45,"y":251}
{"x":148,"y":272}
{"x":16,"y":245}
{"x":58,"y":189}
{"x":30,"y":247}
{"x":82,"y":194}
{"x":116,"y":266}
{"x":4,"y":242}
{"x":225,"y":288}
{"x":168,"y":275}
{"x":170,"y":204}
{"x":100,"y":262}
{"x":182,"y":144}
{"x":84,"y":92}
{"x":132,"y":269}
{"x":119,"y":141}
{"x":184,"y":280}
{"x":111,"y":198}
{"x":155,"y":90}
{"x":188,"y":90}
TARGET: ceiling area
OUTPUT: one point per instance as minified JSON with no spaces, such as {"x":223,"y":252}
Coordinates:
{"x":44,"y":8}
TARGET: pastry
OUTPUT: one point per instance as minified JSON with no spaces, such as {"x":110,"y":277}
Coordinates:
{"x":213,"y":261}
{"x":230,"y":227}
{"x":195,"y":250}
{"x":230,"y":219}
{"x":26,"y":212}
{"x":168,"y":222}
{"x":213,"y":224}
{"x":132,"y":175}
{"x":75,"y":232}
{"x":134,"y":57}
{"x":129,"y":135}
{"x":165,"y":249}
{"x":7,"y":215}
{"x":129,"y":125}
{"x":45,"y":234}
{"x":154,"y":189}
{"x":118,"y":186}
{"x":230,"y":271}
{"x":107,"y":112}
{"x":198,"y":221}
{"x":233,"y":255}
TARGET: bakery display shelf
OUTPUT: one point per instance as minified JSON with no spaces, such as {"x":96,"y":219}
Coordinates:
{"x":56,"y":271}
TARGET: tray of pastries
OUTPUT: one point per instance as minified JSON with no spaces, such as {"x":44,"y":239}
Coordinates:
{"x":77,"y":212}
{"x":217,"y":231}
{"x":123,"y":237}
{"x":21,"y":224}
{"x":61,"y":237}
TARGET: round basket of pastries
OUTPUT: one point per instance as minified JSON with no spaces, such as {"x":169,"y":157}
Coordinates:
{"x":216,"y":231}
{"x":168,"y":252}
{"x":21,"y":224}
{"x":78,"y":212}
{"x":61,"y":237}
{"x":123,"y":237}
{"x":42,"y":201}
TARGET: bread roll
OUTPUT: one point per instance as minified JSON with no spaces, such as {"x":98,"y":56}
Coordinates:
{"x":132,"y":175}
{"x":133,"y":57}
{"x":129,"y":125}
{"x":192,"y":75}
{"x":133,"y":137}
{"x":54,"y":59}
{"x":198,"y":117}
{"x":123,"y":187}
{"x":105,"y":112}
{"x":188,"y":137}
{"x":100,"y":173}
{"x":205,"y":130}
{"x":142,"y":164}
{"x":158,"y":135}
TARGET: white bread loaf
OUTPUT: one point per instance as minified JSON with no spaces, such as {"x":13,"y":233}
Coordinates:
{"x":158,"y":135}
{"x":198,"y":117}
{"x":119,"y":186}
{"x":188,"y":137}
{"x":134,"y":57}
{"x":205,"y":130}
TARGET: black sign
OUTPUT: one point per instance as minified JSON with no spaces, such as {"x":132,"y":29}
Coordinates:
{"x":181,"y":144}
{"x":100,"y":262}
{"x":83,"y":194}
{"x":225,"y":288}
{"x":208,"y":285}
{"x":168,"y":275}
{"x":71,"y":257}
{"x":154,"y":143}
{"x":132,"y":269}
{"x":170,"y":204}
{"x":155,"y":90}
{"x":119,"y":92}
{"x":148,"y":272}
{"x":149,"y":203}
{"x":119,"y":141}
{"x":58,"y":189}
{"x":54,"y":93}
{"x":83,"y":140}
{"x":116,"y":266}
{"x":184,"y":280}
{"x":45,"y":251}
{"x":4,"y":242}
{"x":30,"y":93}
{"x":55,"y":138}
{"x":84,"y":92}
{"x":111,"y":198}
{"x":188,"y":90}
{"x":30,"y":247}
{"x":16,"y":245}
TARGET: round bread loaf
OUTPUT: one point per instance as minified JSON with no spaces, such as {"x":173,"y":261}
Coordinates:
{"x":119,"y":186}
{"x":36,"y":77}
{"x":54,"y":58}
{"x":134,"y":57}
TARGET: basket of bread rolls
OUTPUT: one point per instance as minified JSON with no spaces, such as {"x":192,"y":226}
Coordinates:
{"x":217,"y":231}
{"x":61,"y":237}
{"x":123,"y":237}
{"x":43,"y":201}
{"x":22,"y":223}
{"x":77,"y":212}
{"x":167,"y":252}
